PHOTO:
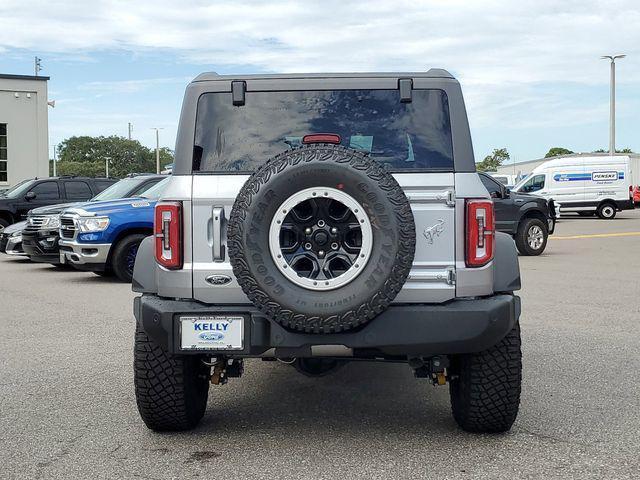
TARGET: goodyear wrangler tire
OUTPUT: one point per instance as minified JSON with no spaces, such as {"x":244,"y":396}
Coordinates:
{"x":321,"y":238}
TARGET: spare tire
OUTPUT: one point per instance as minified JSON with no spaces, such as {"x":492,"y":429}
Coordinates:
{"x":321,"y":238}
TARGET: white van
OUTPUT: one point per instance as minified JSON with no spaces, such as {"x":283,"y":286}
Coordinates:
{"x":585,"y":184}
{"x":507,"y":180}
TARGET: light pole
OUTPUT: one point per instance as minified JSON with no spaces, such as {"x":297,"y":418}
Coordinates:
{"x":157,"y":129}
{"x":612,"y":102}
{"x":55,"y":170}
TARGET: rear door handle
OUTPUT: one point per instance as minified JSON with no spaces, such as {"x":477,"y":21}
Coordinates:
{"x":217,"y":216}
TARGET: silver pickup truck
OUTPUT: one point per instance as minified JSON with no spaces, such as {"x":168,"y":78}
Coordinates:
{"x":318,"y":219}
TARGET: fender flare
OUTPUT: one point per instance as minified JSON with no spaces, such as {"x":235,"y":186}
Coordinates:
{"x":506,"y":268}
{"x":144,"y":270}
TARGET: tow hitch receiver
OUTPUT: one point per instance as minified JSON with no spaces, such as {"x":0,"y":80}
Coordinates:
{"x":224,"y":369}
{"x":434,"y":368}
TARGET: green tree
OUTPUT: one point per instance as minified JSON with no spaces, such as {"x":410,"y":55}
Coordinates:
{"x":88,"y":155}
{"x":493,"y":161}
{"x":624,"y":150}
{"x":554,"y":151}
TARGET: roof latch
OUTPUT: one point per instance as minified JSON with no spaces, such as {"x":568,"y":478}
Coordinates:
{"x":238,"y":89}
{"x":405,"y":85}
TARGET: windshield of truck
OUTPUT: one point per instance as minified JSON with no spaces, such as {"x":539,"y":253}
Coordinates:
{"x":402,"y":136}
{"x":154,"y":192}
{"x":18,"y":190}
{"x":122,"y":189}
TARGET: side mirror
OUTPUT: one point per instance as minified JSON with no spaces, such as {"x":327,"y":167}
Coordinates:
{"x":506,"y":192}
{"x":30,"y":196}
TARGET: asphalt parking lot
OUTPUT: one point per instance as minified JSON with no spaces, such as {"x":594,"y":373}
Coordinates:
{"x":68,"y":409}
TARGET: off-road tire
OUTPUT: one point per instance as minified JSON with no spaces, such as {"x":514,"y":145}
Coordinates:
{"x":351,"y":305}
{"x":171,"y":390}
{"x":606,"y":211}
{"x":522,"y":235}
{"x":118,"y":263}
{"x":485,"y":387}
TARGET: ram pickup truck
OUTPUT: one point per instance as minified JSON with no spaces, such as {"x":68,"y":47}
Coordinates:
{"x":319,"y":219}
{"x":40,"y":237}
{"x":103,"y":237}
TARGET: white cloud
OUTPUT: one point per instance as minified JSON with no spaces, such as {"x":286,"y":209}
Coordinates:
{"x":501,"y":50}
{"x":131,"y":86}
{"x":488,"y":42}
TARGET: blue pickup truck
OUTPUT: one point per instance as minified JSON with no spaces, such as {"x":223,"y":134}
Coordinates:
{"x":103,"y":237}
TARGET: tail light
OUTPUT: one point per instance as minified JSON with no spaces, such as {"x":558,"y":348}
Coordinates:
{"x":167,"y":230}
{"x":480,"y":234}
{"x":631,"y":191}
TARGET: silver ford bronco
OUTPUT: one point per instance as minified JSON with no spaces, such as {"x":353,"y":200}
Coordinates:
{"x":322,"y":218}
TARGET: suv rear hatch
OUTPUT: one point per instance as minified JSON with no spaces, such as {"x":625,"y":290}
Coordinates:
{"x":409,"y":133}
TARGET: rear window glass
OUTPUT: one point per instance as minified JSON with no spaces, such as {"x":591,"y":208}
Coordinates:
{"x":402,"y":136}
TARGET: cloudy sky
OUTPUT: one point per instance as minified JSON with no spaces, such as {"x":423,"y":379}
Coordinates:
{"x":530,"y":70}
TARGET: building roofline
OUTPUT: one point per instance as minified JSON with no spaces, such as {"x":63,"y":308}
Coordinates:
{"x":570,"y":155}
{"x":9,"y":76}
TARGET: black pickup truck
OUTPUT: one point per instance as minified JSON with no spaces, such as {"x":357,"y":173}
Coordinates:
{"x":529,"y":219}
{"x":42,"y":192}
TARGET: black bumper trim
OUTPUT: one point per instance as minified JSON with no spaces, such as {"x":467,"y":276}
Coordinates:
{"x":459,"y":326}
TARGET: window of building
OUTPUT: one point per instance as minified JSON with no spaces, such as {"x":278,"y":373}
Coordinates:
{"x":3,"y":152}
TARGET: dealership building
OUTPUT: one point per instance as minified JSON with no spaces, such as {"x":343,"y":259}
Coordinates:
{"x":24,"y":128}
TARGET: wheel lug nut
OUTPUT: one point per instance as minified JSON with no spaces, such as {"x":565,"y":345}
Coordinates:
{"x":321,"y":223}
{"x":334,"y":230}
{"x":307,"y":246}
{"x":321,"y":253}
{"x":307,"y":230}
{"x":334,"y":246}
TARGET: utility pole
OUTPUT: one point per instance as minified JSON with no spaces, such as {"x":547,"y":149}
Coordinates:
{"x":55,"y":170}
{"x":37,"y":65}
{"x":106,"y":167}
{"x":157,"y":129}
{"x":612,"y":102}
{"x":130,"y":129}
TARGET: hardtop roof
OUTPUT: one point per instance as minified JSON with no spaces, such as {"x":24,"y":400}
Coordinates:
{"x":431,"y":73}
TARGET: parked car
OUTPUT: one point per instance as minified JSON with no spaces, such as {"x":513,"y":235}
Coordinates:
{"x":41,"y":235}
{"x":103,"y":237}
{"x":636,"y":195}
{"x":11,"y":239}
{"x":41,"y":192}
{"x":586,"y":185}
{"x":372,"y":240}
{"x":529,"y":219}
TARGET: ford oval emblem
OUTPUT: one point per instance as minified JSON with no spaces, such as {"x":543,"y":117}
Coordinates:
{"x":218,"y":279}
{"x":208,"y":336}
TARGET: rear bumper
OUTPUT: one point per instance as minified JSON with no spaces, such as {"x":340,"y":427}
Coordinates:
{"x":459,"y":326}
{"x":84,"y":256}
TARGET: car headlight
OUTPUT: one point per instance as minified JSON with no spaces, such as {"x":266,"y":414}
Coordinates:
{"x":17,"y":233}
{"x":92,"y":224}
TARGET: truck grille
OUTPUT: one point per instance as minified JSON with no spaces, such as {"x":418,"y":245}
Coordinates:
{"x":36,"y":220}
{"x":67,"y":227}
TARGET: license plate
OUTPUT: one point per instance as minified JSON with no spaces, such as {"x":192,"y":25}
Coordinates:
{"x":217,"y":332}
